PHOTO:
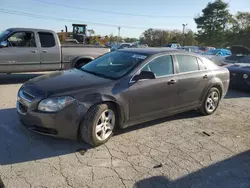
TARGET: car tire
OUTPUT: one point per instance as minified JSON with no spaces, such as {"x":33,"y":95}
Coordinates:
{"x":98,"y":125}
{"x":211,"y":102}
{"x":82,"y":62}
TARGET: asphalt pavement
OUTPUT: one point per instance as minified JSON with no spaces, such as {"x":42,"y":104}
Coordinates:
{"x":185,"y":150}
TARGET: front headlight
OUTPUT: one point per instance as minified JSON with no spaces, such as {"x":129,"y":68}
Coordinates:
{"x":54,"y":104}
{"x":245,"y":76}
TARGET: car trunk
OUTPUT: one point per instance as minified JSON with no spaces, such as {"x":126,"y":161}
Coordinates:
{"x":240,"y":54}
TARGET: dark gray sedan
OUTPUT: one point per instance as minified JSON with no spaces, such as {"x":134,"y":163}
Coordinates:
{"x":120,"y":89}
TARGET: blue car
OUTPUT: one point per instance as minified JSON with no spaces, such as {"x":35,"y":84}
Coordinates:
{"x":219,"y":52}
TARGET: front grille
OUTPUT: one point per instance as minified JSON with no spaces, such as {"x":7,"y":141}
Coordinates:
{"x":26,"y":96}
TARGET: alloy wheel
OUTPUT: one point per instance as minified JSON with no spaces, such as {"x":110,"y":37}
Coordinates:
{"x":105,"y":125}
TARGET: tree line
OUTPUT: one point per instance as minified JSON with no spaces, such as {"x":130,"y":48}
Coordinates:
{"x":215,"y":27}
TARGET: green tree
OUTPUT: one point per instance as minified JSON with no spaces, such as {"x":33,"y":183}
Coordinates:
{"x":213,"y":23}
{"x":156,"y":37}
{"x":239,"y":33}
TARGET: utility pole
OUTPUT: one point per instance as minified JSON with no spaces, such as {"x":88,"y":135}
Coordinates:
{"x":119,"y":29}
{"x":183,"y":33}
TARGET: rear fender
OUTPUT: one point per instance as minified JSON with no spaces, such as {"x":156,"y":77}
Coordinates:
{"x":214,"y":82}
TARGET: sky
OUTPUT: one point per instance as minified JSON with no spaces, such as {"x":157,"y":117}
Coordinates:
{"x":133,"y":16}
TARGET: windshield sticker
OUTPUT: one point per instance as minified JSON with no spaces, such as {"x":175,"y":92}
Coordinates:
{"x":139,"y":56}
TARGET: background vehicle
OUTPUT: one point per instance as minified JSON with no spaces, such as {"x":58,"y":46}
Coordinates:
{"x":206,"y":48}
{"x":240,"y":54}
{"x":239,"y":66}
{"x":218,"y":52}
{"x":240,"y":76}
{"x":217,"y":56}
{"x":194,"y":49}
{"x":121,"y":88}
{"x":172,"y":45}
{"x":25,"y":50}
{"x":118,"y":46}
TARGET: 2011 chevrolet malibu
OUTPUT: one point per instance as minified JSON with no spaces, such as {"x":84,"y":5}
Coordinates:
{"x":120,"y":89}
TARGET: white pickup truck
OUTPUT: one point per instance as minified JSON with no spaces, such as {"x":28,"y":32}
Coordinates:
{"x":30,"y":50}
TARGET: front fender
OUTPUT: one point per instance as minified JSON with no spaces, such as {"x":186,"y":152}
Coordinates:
{"x":96,"y":98}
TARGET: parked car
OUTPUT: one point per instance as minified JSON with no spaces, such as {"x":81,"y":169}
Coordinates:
{"x":218,"y":52}
{"x":172,"y":45}
{"x":217,"y":56}
{"x":118,"y":46}
{"x":240,"y":54}
{"x":206,"y":48}
{"x":120,"y":89}
{"x":239,"y":66}
{"x":194,"y":49}
{"x":26,"y":50}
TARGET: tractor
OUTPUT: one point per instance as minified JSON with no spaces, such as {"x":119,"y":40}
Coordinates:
{"x":78,"y":35}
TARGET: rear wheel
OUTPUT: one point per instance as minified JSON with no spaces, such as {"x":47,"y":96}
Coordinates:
{"x":80,"y":63}
{"x":211,"y":102}
{"x":98,"y":125}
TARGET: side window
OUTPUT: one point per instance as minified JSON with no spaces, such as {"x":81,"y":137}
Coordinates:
{"x":209,"y":64}
{"x":201,"y":65}
{"x":187,"y":63}
{"x":22,"y":39}
{"x":160,"y":66}
{"x":47,"y":40}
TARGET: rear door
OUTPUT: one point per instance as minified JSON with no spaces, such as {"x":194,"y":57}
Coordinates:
{"x":193,"y":80}
{"x":50,"y":51}
{"x":21,"y":54}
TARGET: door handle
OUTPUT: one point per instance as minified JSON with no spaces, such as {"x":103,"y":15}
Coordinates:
{"x":44,"y":51}
{"x":205,"y":76}
{"x":170,"y":82}
{"x":34,"y":51}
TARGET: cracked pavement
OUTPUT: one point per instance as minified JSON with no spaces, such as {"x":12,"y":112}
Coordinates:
{"x":185,"y":150}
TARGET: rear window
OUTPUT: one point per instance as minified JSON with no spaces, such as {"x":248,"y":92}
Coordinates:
{"x":187,"y":63}
{"x":47,"y":40}
{"x":209,"y":64}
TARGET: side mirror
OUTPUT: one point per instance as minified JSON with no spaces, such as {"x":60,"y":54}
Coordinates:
{"x":144,"y":75}
{"x":4,"y":44}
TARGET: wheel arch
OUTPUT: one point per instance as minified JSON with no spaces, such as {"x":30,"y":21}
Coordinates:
{"x":77,"y":59}
{"x":120,"y":113}
{"x":215,"y":85}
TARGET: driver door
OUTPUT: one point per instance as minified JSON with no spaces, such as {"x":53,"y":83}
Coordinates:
{"x":153,"y":98}
{"x":21,"y":54}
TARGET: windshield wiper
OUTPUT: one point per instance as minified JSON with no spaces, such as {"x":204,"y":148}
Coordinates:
{"x":96,"y":74}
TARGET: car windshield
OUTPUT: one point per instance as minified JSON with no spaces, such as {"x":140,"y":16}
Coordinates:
{"x":4,"y":34}
{"x":114,"y":65}
{"x":211,"y":52}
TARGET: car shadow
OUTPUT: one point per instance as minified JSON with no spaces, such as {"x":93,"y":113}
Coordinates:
{"x":185,"y":115}
{"x":232,"y":93}
{"x":230,"y":173}
{"x":16,"y":78}
{"x":17,"y":144}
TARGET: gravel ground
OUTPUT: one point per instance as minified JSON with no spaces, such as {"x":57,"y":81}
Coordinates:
{"x":186,"y":150}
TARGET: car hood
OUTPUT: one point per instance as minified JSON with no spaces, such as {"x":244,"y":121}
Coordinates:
{"x":239,"y":67}
{"x":239,"y":49}
{"x":63,"y":81}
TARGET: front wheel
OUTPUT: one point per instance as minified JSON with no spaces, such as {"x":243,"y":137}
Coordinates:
{"x":98,"y":125}
{"x":211,"y":102}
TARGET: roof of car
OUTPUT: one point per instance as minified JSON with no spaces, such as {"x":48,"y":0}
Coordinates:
{"x":151,"y":50}
{"x":31,"y":29}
